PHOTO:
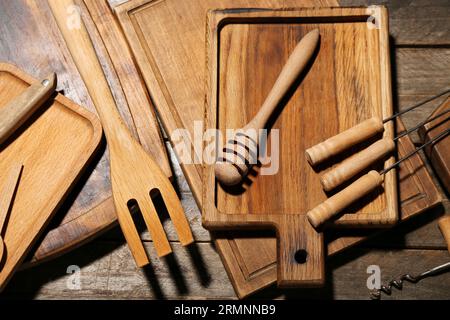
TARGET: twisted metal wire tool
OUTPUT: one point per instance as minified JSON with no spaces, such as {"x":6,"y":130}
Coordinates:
{"x":398,"y":283}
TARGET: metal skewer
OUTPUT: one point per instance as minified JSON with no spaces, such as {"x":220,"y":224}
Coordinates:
{"x":359,"y":133}
{"x":358,"y":189}
{"x":362,"y":160}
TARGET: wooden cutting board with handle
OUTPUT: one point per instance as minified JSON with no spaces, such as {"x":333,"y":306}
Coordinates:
{"x":247,"y":51}
{"x":156,"y":24}
{"x":89,"y":210}
{"x":54,"y":146}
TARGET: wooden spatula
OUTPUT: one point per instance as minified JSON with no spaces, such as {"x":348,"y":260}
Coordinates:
{"x":134,"y":174}
{"x":6,"y":197}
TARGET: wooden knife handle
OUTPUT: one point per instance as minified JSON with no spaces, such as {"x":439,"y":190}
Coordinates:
{"x":17,"y":111}
{"x":344,"y":140}
{"x":444,"y":225}
{"x":357,"y":163}
{"x":334,"y":205}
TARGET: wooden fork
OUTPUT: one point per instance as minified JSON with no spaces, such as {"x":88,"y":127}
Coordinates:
{"x":134,"y":174}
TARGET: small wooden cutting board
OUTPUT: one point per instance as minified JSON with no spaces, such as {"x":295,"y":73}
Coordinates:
{"x":54,"y":146}
{"x":40,"y":49}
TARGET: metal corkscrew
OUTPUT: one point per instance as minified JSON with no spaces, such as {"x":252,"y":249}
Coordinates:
{"x":444,"y":225}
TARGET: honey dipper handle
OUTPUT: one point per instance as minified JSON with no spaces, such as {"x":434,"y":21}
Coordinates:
{"x":344,"y":140}
{"x":295,"y":65}
{"x":444,"y":225}
{"x":357,"y":163}
{"x":334,"y":205}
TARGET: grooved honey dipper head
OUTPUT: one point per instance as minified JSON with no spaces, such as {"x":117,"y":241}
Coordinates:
{"x":236,"y":159}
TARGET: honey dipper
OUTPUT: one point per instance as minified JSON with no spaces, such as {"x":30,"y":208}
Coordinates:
{"x":240,"y":153}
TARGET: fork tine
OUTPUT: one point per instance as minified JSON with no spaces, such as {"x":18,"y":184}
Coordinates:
{"x":131,"y":235}
{"x":177,"y":216}
{"x":155,"y":227}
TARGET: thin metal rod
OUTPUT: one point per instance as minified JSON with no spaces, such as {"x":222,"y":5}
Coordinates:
{"x":439,"y":137}
{"x":416,"y":106}
{"x":435,"y":271}
{"x":422,"y":124}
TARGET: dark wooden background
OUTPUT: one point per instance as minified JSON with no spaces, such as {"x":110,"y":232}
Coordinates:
{"x":420,"y":32}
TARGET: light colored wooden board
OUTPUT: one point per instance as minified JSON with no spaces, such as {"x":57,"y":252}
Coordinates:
{"x":167,"y":38}
{"x":89,"y":210}
{"x":54,"y":146}
{"x":108,"y":272}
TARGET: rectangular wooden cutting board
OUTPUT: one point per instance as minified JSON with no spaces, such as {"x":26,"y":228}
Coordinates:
{"x":246,"y":52}
{"x":54,"y":147}
{"x":40,"y":49}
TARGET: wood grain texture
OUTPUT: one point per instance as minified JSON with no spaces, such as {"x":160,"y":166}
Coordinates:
{"x":162,"y":31}
{"x":135,"y":175}
{"x":344,"y":140}
{"x":240,"y":42}
{"x":240,"y":152}
{"x":414,"y":22}
{"x":417,"y":193}
{"x":444,"y":226}
{"x":108,"y":272}
{"x":439,"y":152}
{"x":357,"y":163}
{"x":167,"y":38}
{"x":8,"y":190}
{"x":251,"y":270}
{"x":17,"y":111}
{"x":89,"y":210}
{"x":41,"y":146}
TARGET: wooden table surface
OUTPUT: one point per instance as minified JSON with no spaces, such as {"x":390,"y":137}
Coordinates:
{"x":420,"y":32}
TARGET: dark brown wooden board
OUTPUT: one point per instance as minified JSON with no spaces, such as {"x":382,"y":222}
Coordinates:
{"x":439,"y":152}
{"x":32,"y":41}
{"x":240,"y":42}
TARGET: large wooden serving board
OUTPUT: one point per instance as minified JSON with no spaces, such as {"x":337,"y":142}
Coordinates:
{"x":54,"y":146}
{"x":166,"y":36}
{"x":40,"y":49}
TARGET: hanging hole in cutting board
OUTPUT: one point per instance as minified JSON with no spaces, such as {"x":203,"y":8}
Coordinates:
{"x":301,"y":256}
